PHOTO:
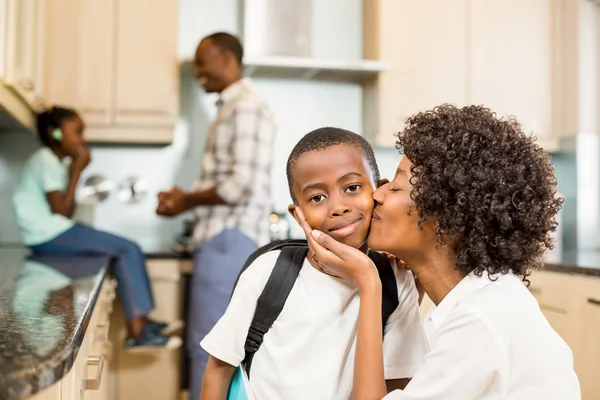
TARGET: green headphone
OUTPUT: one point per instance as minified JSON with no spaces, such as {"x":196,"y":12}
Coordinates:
{"x":57,"y":134}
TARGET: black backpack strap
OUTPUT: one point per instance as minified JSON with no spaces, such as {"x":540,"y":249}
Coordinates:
{"x":389,"y":288}
{"x":274,"y":245}
{"x":273,"y":297}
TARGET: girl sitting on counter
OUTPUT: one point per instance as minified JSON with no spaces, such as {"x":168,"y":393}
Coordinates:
{"x":44,"y":203}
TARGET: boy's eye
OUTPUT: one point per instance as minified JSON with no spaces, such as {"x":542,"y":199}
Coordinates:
{"x":352,"y":188}
{"x":316,"y":199}
{"x":394,"y":189}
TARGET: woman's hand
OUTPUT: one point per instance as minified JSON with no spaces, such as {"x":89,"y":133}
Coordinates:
{"x":338,"y":259}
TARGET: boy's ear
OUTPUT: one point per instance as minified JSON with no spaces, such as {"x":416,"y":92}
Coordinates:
{"x":382,"y":182}
{"x":292,"y":211}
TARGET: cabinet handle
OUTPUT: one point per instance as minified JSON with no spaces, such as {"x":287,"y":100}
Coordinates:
{"x":166,"y":278}
{"x":92,"y":110}
{"x":108,"y":348}
{"x":594,"y":301}
{"x":102,"y":332}
{"x":27,"y":85}
{"x":94,"y":383}
{"x":125,"y":111}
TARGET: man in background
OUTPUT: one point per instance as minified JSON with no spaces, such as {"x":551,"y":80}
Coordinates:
{"x":231,"y":200}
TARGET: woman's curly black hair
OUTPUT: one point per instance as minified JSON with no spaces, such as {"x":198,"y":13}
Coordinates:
{"x":489,"y":186}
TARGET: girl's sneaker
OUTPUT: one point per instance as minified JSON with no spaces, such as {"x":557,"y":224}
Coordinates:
{"x":150,"y":340}
{"x":165,"y":329}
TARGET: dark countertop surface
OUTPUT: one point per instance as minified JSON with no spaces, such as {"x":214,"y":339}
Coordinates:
{"x":45,"y":307}
{"x":573,"y":262}
{"x":576,"y":262}
{"x":167,"y":255}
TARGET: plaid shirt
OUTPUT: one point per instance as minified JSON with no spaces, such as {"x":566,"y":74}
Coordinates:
{"x":237,"y":160}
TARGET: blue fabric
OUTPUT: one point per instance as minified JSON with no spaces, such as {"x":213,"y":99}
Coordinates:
{"x":129,"y":263}
{"x":217,"y":263}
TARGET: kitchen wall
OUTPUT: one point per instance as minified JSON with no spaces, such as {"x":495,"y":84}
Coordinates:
{"x":300,"y":106}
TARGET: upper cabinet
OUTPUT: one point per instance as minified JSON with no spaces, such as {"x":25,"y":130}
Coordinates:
{"x":79,"y":63}
{"x":504,"y":54}
{"x":512,"y":68}
{"x":424,"y":41}
{"x":147,"y":68}
{"x":25,"y":50}
{"x":116,"y":62}
{"x":20,"y":64}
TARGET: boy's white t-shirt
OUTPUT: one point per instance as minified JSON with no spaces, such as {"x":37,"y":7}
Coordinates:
{"x":309,"y":351}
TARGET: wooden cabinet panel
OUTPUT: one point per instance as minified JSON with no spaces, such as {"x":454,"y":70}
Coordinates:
{"x":556,"y":295}
{"x":586,"y":347}
{"x":147,"y":71}
{"x":154,"y":374}
{"x":3,"y":38}
{"x":425,"y":42}
{"x":511,"y":46}
{"x":115,"y":61}
{"x":23,"y":49}
{"x":80,"y":57}
{"x":506,"y":55}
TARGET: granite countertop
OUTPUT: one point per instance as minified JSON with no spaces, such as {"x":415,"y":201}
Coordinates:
{"x":576,"y":262}
{"x":45,"y":307}
{"x":167,"y":255}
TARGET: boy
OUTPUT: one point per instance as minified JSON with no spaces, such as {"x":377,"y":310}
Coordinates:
{"x":308,"y":353}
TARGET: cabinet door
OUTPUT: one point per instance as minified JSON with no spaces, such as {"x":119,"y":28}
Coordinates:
{"x":587,"y":349}
{"x":39,"y":59}
{"x":556,"y":294}
{"x":147,"y":70}
{"x":3,"y":38}
{"x":79,"y":57}
{"x":512,"y":61}
{"x":155,"y":375}
{"x":424,"y":41}
{"x":22,"y":28}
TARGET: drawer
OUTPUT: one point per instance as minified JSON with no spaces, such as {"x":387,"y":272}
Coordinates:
{"x":553,"y":290}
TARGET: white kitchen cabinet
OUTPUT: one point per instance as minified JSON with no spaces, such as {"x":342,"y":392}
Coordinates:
{"x":3,"y":38}
{"x":80,"y":57}
{"x":156,"y":374}
{"x":147,"y":69}
{"x":556,"y":295}
{"x":24,"y":52}
{"x":115,"y":61}
{"x":586,"y":347}
{"x":571,"y":303}
{"x":425,"y":42}
{"x":505,"y":55}
{"x":16,"y":101}
{"x":512,"y":68}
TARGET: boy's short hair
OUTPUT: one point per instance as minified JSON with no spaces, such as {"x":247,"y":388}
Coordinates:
{"x":324,"y":138}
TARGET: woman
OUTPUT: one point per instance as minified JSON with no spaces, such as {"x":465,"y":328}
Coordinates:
{"x":470,"y":210}
{"x":44,"y":204}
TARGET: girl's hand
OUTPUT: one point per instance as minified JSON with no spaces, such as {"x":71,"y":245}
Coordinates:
{"x":339,"y":259}
{"x":82,"y":158}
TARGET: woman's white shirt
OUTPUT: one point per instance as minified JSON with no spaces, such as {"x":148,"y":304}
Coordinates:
{"x":489,"y":340}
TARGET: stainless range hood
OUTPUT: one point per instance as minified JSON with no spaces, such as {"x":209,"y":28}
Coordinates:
{"x":278,"y":38}
{"x":276,"y":27}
